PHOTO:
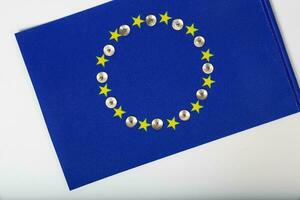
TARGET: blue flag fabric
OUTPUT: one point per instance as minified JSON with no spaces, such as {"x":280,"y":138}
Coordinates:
{"x":133,"y":81}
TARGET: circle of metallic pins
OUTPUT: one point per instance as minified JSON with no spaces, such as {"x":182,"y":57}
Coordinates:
{"x":151,"y":20}
{"x":208,"y":68}
{"x":177,"y":24}
{"x":157,"y":124}
{"x":131,"y":121}
{"x":202,"y":94}
{"x":184,"y":115}
{"x":111,"y":102}
{"x":102,"y":77}
{"x":124,"y":30}
{"x":199,"y":41}
{"x":109,"y":50}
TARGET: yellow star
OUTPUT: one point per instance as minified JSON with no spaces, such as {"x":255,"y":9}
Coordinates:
{"x":196,"y":107}
{"x":208,"y":82}
{"x":137,"y":21}
{"x":102,"y":60}
{"x":119,"y":112}
{"x":206,"y":55}
{"x":172,"y":123}
{"x":104,"y":90}
{"x":114,"y":35}
{"x":165,"y":18}
{"x":144,"y":125}
{"x":191,"y":30}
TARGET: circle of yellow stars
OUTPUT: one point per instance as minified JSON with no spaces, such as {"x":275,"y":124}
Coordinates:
{"x":207,"y":81}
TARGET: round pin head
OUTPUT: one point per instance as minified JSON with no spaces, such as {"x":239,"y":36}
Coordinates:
{"x":102,"y":77}
{"x":111,"y":102}
{"x":109,"y":50}
{"x":199,"y":41}
{"x":208,"y":68}
{"x":157,"y":124}
{"x":131,"y":121}
{"x":124,"y":30}
{"x":184,"y":115}
{"x":151,"y":20}
{"x":177,"y":24}
{"x":202,"y":94}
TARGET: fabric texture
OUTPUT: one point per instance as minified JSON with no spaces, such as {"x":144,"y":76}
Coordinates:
{"x":155,"y":73}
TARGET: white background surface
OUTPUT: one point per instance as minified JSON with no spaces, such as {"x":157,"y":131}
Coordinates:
{"x":262,"y":163}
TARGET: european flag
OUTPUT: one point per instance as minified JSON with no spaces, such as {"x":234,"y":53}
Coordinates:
{"x":133,"y":81}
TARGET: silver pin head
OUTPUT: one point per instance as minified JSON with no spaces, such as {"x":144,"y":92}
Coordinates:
{"x":157,"y":124}
{"x":199,"y":41}
{"x":111,"y":102}
{"x":184,"y":115}
{"x":124,"y":30}
{"x":102,"y":77}
{"x":202,"y":94}
{"x":208,"y":68}
{"x":131,"y":121}
{"x":177,"y":24}
{"x":151,"y":20}
{"x":109,"y":50}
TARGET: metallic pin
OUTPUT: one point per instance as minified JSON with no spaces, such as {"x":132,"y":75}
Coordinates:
{"x":208,"y":68}
{"x":151,"y":20}
{"x":131,"y":121}
{"x":102,"y":77}
{"x":199,"y":41}
{"x":184,"y":115}
{"x":124,"y":30}
{"x":177,"y":24}
{"x":157,"y":124}
{"x":202,"y":94}
{"x":109,"y":50}
{"x":111,"y":102}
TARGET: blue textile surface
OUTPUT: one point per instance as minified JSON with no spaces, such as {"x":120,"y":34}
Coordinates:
{"x":155,"y":73}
